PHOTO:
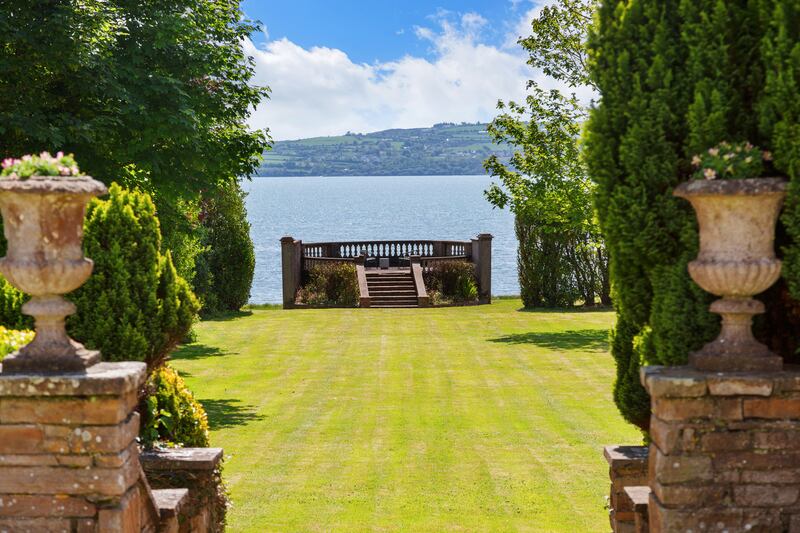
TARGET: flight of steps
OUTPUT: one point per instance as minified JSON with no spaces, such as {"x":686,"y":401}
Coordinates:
{"x":392,"y":289}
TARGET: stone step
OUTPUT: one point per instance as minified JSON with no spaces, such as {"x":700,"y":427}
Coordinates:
{"x":409,"y":306}
{"x":406,"y":291}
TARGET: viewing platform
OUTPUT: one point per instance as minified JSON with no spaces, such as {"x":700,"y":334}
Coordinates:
{"x":390,"y":273}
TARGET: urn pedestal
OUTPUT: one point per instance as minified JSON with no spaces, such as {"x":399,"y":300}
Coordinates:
{"x":43,"y":223}
{"x":737,"y":220}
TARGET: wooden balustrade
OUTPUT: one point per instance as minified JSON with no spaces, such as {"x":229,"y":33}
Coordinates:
{"x":387,"y":249}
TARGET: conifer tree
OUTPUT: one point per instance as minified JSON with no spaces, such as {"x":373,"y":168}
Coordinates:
{"x":675,"y":78}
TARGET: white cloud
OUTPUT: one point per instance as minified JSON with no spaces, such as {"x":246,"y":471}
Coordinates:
{"x":321,"y":91}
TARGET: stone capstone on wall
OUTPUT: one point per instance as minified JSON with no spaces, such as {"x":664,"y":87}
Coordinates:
{"x":196,"y":469}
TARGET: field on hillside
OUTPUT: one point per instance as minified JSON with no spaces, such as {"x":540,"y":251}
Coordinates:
{"x":484,"y":418}
{"x":445,"y":149}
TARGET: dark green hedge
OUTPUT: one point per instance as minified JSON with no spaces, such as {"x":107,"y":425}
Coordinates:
{"x":675,"y":78}
{"x":226,"y":266}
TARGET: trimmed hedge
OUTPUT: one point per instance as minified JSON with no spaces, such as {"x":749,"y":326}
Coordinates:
{"x":170,"y":414}
{"x":134,"y":307}
{"x":675,"y":78}
{"x":331,"y":284}
{"x":451,"y":281}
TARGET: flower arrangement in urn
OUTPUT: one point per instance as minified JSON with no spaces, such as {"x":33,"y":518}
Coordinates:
{"x":43,"y":201}
{"x":737,"y":211}
{"x":735,"y":161}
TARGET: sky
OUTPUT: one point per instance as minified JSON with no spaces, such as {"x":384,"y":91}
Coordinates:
{"x":368,"y":65}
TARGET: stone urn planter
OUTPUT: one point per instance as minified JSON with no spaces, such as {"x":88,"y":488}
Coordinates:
{"x":43,"y":223}
{"x":737,"y":220}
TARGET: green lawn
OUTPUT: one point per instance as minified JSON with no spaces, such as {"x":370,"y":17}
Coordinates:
{"x":462,"y":419}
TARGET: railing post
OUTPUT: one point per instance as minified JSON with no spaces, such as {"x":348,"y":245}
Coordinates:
{"x":363,"y":288}
{"x":419,"y":282}
{"x":291,"y":259}
{"x":482,"y":257}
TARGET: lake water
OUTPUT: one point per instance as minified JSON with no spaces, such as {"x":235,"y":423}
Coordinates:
{"x":318,"y":209}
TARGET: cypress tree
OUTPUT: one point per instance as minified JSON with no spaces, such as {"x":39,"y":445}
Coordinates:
{"x":677,"y":77}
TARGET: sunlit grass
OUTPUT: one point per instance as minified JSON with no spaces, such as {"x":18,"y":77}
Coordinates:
{"x":482,"y":418}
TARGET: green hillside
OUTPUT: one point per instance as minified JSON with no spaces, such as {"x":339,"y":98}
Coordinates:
{"x":445,"y":149}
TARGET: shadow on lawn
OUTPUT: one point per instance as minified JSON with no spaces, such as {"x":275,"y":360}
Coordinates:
{"x":558,"y":310}
{"x":197,"y":351}
{"x":226,"y":316}
{"x":585,"y":339}
{"x":229,"y":413}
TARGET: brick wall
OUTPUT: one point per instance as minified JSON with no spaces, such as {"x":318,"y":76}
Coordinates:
{"x":68,"y":456}
{"x":725,"y":451}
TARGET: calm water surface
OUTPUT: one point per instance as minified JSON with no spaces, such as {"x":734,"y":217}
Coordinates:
{"x":374,"y":208}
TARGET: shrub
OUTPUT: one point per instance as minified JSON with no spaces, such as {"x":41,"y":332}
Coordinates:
{"x":170,"y":414}
{"x":12,"y":340}
{"x":331,"y":284}
{"x":134,"y":307}
{"x":451,"y":281}
{"x":677,"y":78}
{"x":11,"y":300}
{"x":225,"y":268}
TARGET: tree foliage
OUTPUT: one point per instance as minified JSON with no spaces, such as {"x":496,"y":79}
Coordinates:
{"x":153,"y":95}
{"x":677,"y":77}
{"x":546,"y":185}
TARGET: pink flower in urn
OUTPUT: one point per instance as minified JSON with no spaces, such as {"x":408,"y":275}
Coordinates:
{"x":59,"y":155}
{"x":8,"y":162}
{"x":710,"y":173}
{"x":45,"y":155}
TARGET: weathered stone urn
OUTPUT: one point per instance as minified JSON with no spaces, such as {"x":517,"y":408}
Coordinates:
{"x":737,"y":260}
{"x":43,"y":223}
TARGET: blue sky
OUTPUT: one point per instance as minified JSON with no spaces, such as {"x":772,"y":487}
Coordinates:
{"x":377,"y":30}
{"x":337,"y":65}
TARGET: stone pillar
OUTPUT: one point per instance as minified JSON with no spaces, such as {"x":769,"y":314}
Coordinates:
{"x":627,"y":467}
{"x":292,"y":268}
{"x":69,"y":460}
{"x":725,"y":452}
{"x":482,"y":257}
